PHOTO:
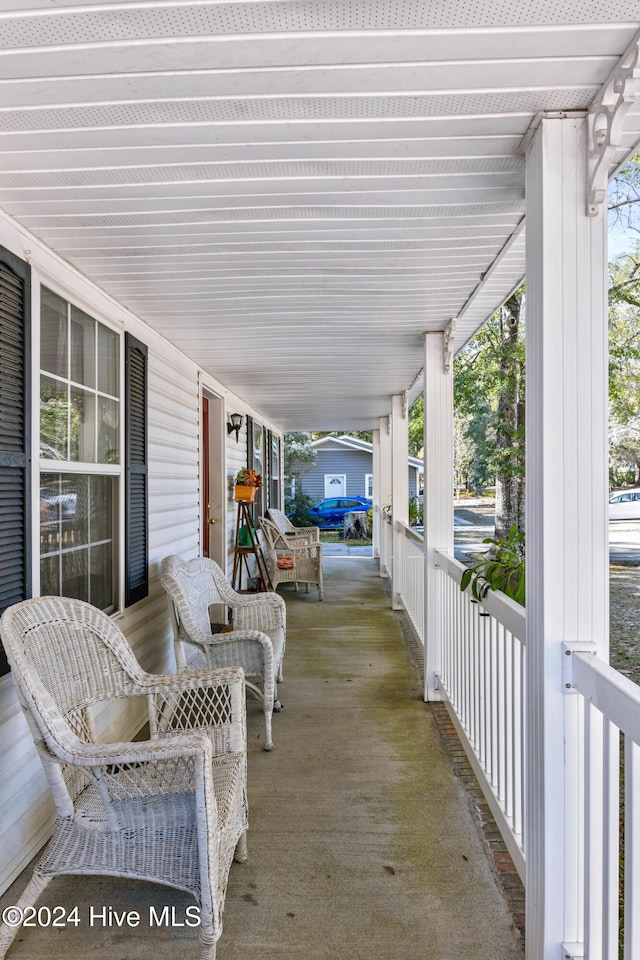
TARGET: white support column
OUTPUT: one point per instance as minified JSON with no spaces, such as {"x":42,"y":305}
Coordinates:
{"x":386,"y":558}
{"x":438,"y":491}
{"x":377,"y":505}
{"x":567,"y":523}
{"x":399,"y":488}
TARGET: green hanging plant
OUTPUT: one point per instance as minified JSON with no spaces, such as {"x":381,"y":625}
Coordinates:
{"x":503,"y":569}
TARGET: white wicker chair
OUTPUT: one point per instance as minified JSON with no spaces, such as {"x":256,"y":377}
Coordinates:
{"x":289,"y":562}
{"x":256,"y":643}
{"x":292,"y":533}
{"x":171,"y":809}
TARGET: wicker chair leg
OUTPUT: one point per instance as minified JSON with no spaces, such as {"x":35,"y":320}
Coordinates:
{"x":207,"y":951}
{"x":241,"y":855}
{"x":30,"y":896}
{"x":277,"y":705}
{"x":280,"y":677}
{"x":268,"y":739}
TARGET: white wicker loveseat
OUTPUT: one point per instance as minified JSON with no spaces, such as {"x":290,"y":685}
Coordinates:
{"x":257,"y":641}
{"x":291,"y":562}
{"x":171,"y":809}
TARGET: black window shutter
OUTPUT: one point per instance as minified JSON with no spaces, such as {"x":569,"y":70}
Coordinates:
{"x":275,"y":475}
{"x":251,"y":462}
{"x":250,"y":443}
{"x":268,"y":468}
{"x":137,"y":474}
{"x":15,"y":440}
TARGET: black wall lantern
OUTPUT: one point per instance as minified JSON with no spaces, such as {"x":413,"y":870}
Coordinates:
{"x":234,"y":423}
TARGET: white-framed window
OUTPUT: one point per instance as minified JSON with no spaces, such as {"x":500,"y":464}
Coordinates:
{"x":81,"y":461}
{"x":368,"y":485}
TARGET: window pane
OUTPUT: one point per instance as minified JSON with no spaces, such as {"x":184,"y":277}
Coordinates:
{"x":75,"y":574}
{"x":101,"y":579}
{"x":53,"y":334}
{"x":50,"y":576}
{"x":54,"y":417}
{"x":83,"y":426}
{"x":50,"y":532}
{"x":101,"y":509}
{"x":77,"y":538}
{"x":83,"y":348}
{"x":75,"y":510}
{"x":108,"y":423}
{"x":108,"y":356}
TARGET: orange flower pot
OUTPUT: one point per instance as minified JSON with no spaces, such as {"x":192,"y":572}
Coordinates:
{"x":246,"y":494}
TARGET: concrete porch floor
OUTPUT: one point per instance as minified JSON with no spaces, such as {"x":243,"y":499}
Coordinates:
{"x":361,"y":843}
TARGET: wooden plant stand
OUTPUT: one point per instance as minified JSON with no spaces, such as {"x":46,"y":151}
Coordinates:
{"x":242,"y":553}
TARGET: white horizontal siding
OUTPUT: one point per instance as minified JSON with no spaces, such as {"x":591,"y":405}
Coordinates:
{"x":174,"y":461}
{"x":27,"y":808}
{"x":174,"y":527}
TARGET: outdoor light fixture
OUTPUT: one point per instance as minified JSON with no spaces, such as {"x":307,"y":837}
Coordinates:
{"x":234,"y":423}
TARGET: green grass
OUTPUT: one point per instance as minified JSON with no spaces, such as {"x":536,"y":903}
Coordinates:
{"x":335,"y":536}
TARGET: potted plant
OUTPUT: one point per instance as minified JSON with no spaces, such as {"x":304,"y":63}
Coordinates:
{"x":247,"y":483}
{"x":502,"y":569}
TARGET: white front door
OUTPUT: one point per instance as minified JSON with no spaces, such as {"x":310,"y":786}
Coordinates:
{"x":335,"y":484}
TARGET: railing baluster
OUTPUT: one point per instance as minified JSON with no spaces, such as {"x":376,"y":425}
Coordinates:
{"x":611,"y":839}
{"x":593,"y":829}
{"x":631,"y":850}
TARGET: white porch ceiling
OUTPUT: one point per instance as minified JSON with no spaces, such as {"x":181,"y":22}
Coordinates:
{"x":294,"y":192}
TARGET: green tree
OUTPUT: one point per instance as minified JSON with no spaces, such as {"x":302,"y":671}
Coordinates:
{"x":624,"y":197}
{"x":489,"y":412}
{"x":624,"y":371}
{"x":416,"y":428}
{"x":510,"y":451}
{"x":299,"y":457}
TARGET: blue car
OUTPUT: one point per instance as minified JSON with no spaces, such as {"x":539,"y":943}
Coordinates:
{"x":330,"y":513}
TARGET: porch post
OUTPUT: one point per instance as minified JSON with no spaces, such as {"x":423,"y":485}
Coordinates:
{"x":438,"y":493}
{"x":567,"y":523}
{"x":377,"y":506}
{"x":399,"y":490}
{"x":386,"y":559}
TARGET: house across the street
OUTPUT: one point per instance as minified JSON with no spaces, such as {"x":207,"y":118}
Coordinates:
{"x":344,"y":467}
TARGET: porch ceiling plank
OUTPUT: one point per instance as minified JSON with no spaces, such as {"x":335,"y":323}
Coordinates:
{"x":314,"y":172}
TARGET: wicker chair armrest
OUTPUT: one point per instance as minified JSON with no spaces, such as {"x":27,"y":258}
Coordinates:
{"x":253,"y":649}
{"x":298,"y":550}
{"x":192,"y":679}
{"x":313,"y":532}
{"x":236,"y":636}
{"x":266,"y":612}
{"x":300,"y":539}
{"x":94,"y":756}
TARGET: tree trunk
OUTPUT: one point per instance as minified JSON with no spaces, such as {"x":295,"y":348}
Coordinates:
{"x":510,"y":431}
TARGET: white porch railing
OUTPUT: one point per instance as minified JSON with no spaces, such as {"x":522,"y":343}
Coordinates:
{"x":604,"y":732}
{"x":386,"y":555}
{"x":482,"y":680}
{"x":411,"y":562}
